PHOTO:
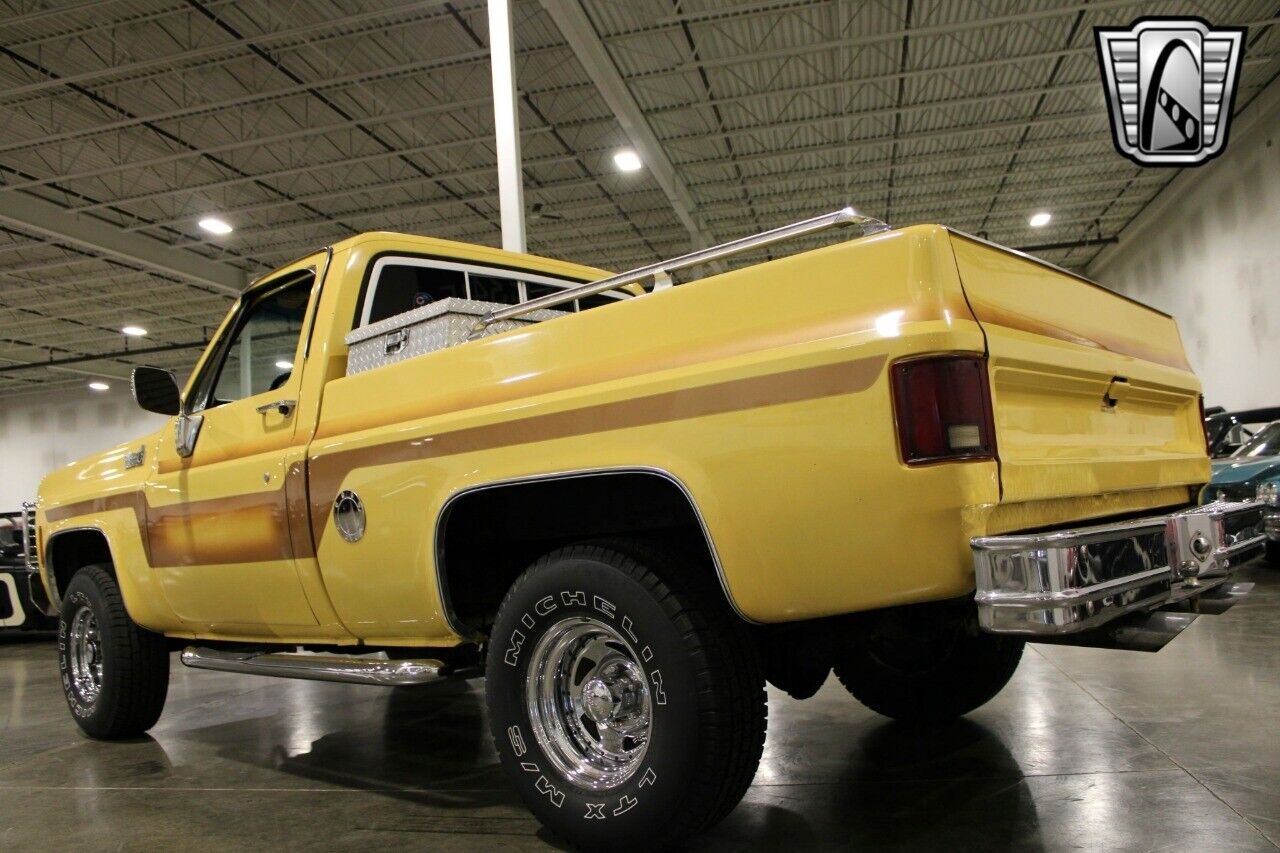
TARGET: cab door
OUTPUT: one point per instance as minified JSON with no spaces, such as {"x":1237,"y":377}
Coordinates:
{"x":226,"y":520}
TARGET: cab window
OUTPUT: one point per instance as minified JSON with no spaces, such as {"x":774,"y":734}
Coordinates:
{"x":259,"y":357}
{"x":491,"y":288}
{"x":401,"y":288}
{"x":402,"y":284}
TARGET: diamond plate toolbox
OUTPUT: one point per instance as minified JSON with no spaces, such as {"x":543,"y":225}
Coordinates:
{"x":427,"y":329}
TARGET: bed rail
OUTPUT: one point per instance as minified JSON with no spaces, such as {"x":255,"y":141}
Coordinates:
{"x":661,"y":271}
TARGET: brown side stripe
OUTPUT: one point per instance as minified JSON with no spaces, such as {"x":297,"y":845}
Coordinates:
{"x":200,"y":532}
{"x":264,"y":530}
{"x":328,"y":471}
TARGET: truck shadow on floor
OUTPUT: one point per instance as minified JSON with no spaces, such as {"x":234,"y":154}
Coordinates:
{"x":425,"y":745}
{"x":899,"y":786}
{"x":954,"y":786}
{"x":20,"y":638}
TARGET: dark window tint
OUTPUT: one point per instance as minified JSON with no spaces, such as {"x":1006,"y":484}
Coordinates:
{"x":594,"y":301}
{"x":536,"y":291}
{"x":489,"y":288}
{"x":403,"y":288}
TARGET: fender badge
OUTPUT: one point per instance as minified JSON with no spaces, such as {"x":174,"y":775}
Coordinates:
{"x":134,"y":459}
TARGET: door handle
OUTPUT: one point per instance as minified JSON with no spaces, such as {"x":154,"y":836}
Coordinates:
{"x":284,"y":407}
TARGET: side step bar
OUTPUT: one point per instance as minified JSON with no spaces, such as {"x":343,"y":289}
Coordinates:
{"x":349,"y":669}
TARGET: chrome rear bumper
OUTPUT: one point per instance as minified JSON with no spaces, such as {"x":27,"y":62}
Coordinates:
{"x":1070,"y":581}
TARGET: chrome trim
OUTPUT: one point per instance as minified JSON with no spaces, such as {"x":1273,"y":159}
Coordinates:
{"x":348,"y":669}
{"x":47,"y":573}
{"x":1271,"y":524}
{"x":1071,"y":581}
{"x":1134,"y":632}
{"x":30,"y":548}
{"x":185,"y":432}
{"x":660,"y":272}
{"x":84,"y":655}
{"x":588,"y":702}
{"x":284,"y":407}
{"x":348,"y":516}
{"x":134,"y":458}
{"x":442,"y":585}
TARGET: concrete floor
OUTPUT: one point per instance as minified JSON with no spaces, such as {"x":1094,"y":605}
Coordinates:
{"x":1084,"y":750}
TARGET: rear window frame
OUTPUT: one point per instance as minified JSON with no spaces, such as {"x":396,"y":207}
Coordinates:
{"x":368,"y":290}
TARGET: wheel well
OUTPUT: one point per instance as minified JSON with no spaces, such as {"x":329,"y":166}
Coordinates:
{"x":72,"y":550}
{"x":488,"y":536}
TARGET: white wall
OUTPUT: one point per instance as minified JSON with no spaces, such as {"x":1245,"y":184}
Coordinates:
{"x":39,"y":432}
{"x":1207,"y":250}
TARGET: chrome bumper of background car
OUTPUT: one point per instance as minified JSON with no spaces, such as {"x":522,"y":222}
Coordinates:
{"x":1072,"y":581}
{"x":1271,"y":524}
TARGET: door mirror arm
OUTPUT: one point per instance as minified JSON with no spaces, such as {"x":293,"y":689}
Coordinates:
{"x":185,"y":433}
{"x":156,"y":390}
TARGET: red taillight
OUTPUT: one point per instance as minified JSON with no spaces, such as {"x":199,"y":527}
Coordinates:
{"x":943,"y":408}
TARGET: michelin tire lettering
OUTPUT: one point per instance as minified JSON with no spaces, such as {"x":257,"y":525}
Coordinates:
{"x":545,"y":606}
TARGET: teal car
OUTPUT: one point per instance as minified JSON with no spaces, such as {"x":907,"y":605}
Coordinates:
{"x":1253,"y":472}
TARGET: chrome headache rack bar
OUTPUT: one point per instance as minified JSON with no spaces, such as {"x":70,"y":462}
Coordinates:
{"x":1071,"y":581}
{"x":660,"y":272}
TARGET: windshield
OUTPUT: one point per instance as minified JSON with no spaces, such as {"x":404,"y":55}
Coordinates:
{"x":1265,"y":443}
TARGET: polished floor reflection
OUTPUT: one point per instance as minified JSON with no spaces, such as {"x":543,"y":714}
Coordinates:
{"x":1084,"y":750}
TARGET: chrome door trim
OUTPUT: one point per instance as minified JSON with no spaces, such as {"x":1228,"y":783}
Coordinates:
{"x":185,"y":432}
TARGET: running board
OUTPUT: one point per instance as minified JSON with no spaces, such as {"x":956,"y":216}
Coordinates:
{"x":349,"y":669}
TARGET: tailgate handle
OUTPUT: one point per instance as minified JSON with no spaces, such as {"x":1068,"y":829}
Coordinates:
{"x":1116,"y":391}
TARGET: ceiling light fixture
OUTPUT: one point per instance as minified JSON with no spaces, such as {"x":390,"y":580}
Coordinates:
{"x":627,"y":160}
{"x":284,"y":365}
{"x":214,"y":225}
{"x":134,"y":331}
{"x":1039,"y":220}
{"x":99,"y":386}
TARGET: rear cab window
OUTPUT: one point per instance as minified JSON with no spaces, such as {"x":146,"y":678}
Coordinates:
{"x":398,"y":284}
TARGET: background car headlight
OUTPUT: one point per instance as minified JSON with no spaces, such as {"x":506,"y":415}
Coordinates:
{"x":1269,"y":493}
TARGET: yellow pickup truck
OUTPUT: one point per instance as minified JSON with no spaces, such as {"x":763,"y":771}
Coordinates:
{"x":628,"y":503}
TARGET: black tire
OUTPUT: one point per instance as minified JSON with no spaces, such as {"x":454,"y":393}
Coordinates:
{"x":1273,"y":554}
{"x":134,"y":662}
{"x":702,"y":675}
{"x":925,"y":663}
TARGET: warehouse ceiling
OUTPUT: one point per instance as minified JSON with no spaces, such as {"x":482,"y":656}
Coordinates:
{"x":303,"y":122}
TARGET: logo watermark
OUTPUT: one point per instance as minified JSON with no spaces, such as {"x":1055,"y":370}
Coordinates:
{"x":1170,"y":85}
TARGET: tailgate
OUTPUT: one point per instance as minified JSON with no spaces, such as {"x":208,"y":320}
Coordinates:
{"x":1092,"y":391}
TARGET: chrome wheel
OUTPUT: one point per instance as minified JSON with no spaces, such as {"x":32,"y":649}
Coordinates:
{"x":84,"y":646}
{"x":588,"y":702}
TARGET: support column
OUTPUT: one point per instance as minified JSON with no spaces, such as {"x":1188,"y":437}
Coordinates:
{"x":506,"y":124}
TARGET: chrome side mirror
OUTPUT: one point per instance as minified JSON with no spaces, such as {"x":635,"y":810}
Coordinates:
{"x":156,"y":390}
